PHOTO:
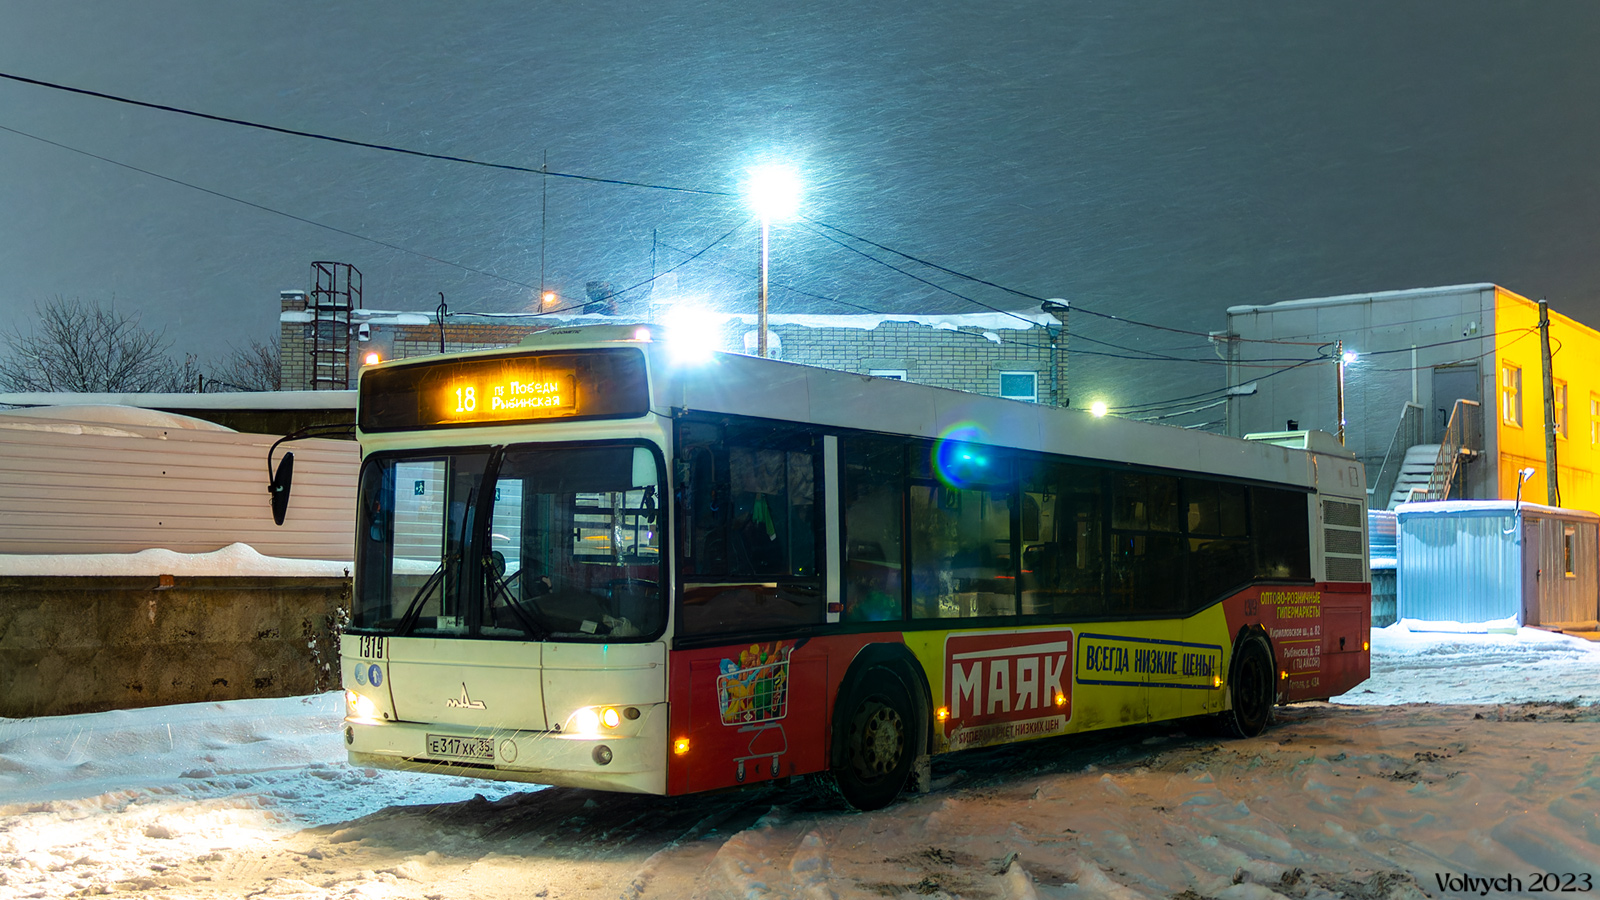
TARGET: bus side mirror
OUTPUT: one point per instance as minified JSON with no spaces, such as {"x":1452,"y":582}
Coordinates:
{"x":281,"y":479}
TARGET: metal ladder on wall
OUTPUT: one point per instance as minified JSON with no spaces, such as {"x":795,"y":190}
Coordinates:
{"x":335,"y":293}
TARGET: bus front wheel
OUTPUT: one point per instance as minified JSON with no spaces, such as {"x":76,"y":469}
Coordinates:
{"x":879,"y":740}
{"x":1251,"y":689}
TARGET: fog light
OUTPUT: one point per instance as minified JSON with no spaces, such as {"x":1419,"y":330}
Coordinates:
{"x":610,"y":717}
{"x":602,"y":755}
{"x":349,"y":735}
{"x":631,"y":713}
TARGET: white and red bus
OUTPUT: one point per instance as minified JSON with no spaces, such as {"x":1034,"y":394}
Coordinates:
{"x":582,"y":562}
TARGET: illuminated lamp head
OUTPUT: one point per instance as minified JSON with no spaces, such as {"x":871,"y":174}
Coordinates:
{"x":1098,"y":409}
{"x":962,"y":457}
{"x":372,"y":358}
{"x":693,"y":334}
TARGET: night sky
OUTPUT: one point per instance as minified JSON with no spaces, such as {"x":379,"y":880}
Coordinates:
{"x":1160,"y":161}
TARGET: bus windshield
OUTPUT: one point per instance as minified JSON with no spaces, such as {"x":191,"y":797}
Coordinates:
{"x":524,"y":543}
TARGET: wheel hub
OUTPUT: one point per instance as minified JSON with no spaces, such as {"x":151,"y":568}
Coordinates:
{"x":883,"y":740}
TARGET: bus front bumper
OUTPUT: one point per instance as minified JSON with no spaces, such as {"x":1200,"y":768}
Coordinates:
{"x":635,"y":762}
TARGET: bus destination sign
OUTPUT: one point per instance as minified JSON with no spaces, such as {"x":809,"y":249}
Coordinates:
{"x":491,"y":390}
{"x":511,"y":395}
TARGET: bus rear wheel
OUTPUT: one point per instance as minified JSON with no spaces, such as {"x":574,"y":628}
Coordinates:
{"x":879,"y":740}
{"x":1251,"y":689}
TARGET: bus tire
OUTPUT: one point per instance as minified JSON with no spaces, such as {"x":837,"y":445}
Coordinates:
{"x":1251,"y":689}
{"x":879,"y":740}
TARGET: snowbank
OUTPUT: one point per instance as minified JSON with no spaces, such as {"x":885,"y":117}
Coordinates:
{"x":234,"y":559}
{"x":107,"y":414}
{"x":1440,"y":666}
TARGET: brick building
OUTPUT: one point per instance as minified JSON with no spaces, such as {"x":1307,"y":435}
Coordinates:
{"x":996,"y":354}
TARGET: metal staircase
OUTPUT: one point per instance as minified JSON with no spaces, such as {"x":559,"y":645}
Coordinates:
{"x":1415,"y":471}
{"x":1463,"y":441}
{"x":1430,"y":471}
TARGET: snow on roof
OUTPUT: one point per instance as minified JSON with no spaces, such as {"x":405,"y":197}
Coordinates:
{"x":111,"y":415}
{"x":231,"y":400}
{"x":1407,"y":294}
{"x":233,"y":560}
{"x":1015,"y":320}
{"x":1488,"y":508}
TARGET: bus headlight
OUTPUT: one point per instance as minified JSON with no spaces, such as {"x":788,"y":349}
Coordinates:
{"x":357,"y":706}
{"x":590,"y":719}
{"x":586,"y":721}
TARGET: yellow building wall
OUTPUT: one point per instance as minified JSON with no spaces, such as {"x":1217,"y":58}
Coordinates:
{"x":1575,"y":360}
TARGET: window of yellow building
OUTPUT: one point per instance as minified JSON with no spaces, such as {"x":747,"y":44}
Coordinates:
{"x":1594,"y":420}
{"x":1560,"y":395}
{"x":1511,"y":394}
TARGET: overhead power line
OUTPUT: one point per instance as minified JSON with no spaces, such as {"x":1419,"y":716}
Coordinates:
{"x":346,"y":232}
{"x":351,"y":142}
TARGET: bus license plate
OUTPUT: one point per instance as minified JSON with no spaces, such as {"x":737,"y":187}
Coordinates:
{"x":451,"y":747}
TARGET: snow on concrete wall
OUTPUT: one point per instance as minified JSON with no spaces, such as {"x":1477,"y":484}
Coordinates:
{"x":75,"y":487}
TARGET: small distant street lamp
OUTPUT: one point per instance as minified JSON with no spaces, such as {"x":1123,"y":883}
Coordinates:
{"x":442,"y":311}
{"x":774,"y":193}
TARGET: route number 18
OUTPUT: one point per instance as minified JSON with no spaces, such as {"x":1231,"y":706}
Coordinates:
{"x":466,"y":399}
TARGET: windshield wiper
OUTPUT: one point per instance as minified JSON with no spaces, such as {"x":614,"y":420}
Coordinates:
{"x":501,"y":587}
{"x":414,"y":608}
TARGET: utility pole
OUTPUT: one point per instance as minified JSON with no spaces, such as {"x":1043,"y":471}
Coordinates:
{"x":1338,"y":356}
{"x":1058,"y":352}
{"x":1552,"y":488}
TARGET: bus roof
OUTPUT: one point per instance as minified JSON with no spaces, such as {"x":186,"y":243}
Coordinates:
{"x":734,"y":384}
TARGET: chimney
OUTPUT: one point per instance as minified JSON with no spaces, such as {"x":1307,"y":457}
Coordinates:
{"x":602,"y":299}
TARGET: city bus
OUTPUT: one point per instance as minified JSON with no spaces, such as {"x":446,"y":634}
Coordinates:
{"x":589,"y":561}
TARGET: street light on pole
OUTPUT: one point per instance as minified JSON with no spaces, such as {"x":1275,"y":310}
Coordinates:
{"x":774,"y":193}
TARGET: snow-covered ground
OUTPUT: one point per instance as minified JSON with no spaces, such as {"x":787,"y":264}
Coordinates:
{"x":1468,"y":754}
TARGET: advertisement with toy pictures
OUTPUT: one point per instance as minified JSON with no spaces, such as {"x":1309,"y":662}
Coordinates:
{"x":754,"y":686}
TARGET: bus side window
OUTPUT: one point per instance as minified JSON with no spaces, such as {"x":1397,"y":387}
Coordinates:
{"x":961,"y":535}
{"x":1062,"y":557}
{"x":1283,"y":535}
{"x":1147,"y":553}
{"x":1219,"y":548}
{"x":749,"y":515}
{"x":874,"y":482}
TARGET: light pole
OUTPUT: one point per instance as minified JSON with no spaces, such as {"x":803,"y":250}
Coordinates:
{"x":774,"y":193}
{"x":1346,"y":357}
{"x":1058,"y":369}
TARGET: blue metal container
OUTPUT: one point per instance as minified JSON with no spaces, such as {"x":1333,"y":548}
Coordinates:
{"x":1483,"y":560}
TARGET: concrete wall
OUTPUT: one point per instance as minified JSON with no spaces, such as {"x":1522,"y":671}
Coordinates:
{"x":86,"y":644}
{"x":1451,"y":328}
